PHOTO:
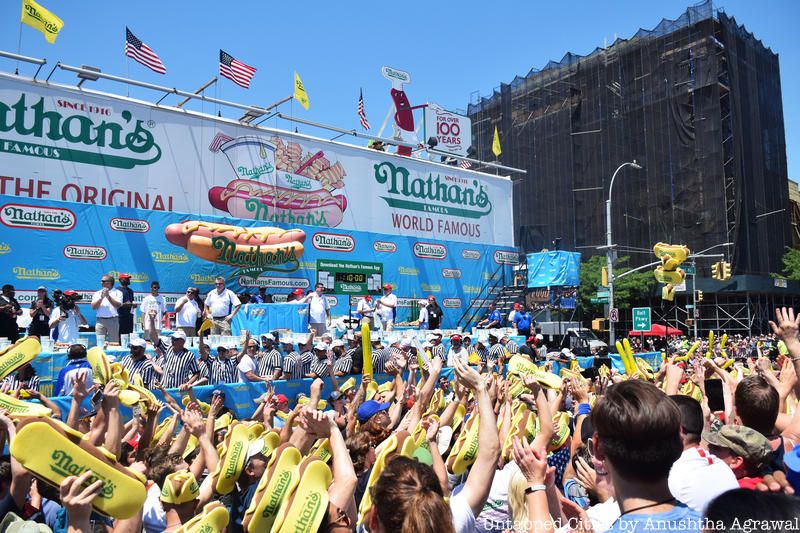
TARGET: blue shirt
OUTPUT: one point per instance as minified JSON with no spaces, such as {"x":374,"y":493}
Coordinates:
{"x":679,"y":518}
{"x":523,"y":320}
{"x":495,"y":316}
{"x":66,"y":376}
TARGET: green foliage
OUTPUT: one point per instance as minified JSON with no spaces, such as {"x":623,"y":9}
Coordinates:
{"x":791,"y":265}
{"x":632,"y":287}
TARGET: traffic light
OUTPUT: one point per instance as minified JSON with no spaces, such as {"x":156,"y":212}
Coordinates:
{"x":604,"y":277}
{"x":726,"y":270}
{"x":699,"y":296}
{"x":716,"y":271}
{"x":671,"y":255}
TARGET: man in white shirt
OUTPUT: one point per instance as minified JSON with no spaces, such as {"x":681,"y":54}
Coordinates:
{"x":186,"y":311}
{"x":385,"y":307}
{"x":319,"y":310}
{"x":153,"y":305}
{"x":105,"y":302}
{"x":67,"y":320}
{"x":457,"y":351}
{"x":366,"y":311}
{"x":246,"y":368}
{"x":221,"y":306}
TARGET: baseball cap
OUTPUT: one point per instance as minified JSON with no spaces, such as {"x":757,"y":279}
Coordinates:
{"x":405,"y":343}
{"x":178,"y":335}
{"x":71,"y":293}
{"x":456,"y":338}
{"x":792,"y":461}
{"x":743,"y":441}
{"x":124,"y":275}
{"x":281,"y":398}
{"x":423,"y":303}
{"x":387,"y":286}
{"x":320,"y":346}
{"x":222,"y":347}
{"x":180,"y":487}
{"x":335,"y":395}
{"x":267,"y":336}
{"x":327,"y":335}
{"x":437,"y":332}
{"x":517,"y":306}
{"x":287,"y":340}
{"x":368,"y":298}
{"x":430,"y":337}
{"x":337,"y":343}
{"x":369,"y":409}
{"x":138,"y":342}
{"x":256,"y":448}
{"x":41,"y":288}
{"x":298,"y":291}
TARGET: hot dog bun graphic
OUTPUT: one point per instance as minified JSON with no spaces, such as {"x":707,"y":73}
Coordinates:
{"x":250,"y":199}
{"x":238,"y":246}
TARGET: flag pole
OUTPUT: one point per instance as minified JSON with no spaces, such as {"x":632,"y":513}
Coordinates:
{"x":205,"y":86}
{"x":19,"y":46}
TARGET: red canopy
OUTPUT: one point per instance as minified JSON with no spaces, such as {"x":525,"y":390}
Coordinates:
{"x":657,"y":330}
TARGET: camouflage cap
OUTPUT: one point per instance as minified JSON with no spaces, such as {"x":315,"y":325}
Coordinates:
{"x":742,"y":441}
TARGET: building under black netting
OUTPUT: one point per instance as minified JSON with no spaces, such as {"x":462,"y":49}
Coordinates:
{"x":697,"y":101}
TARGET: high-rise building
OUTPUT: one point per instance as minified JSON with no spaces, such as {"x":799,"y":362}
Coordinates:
{"x":696,"y":101}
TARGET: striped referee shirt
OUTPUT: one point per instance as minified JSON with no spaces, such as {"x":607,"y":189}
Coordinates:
{"x":379,"y":359}
{"x":178,"y":367}
{"x":483,"y":353}
{"x":319,"y":367}
{"x":512,"y":347}
{"x":496,"y":351}
{"x":269,"y":362}
{"x":143,"y":367}
{"x":344,"y":364}
{"x":306,"y":359}
{"x":292,"y":366}
{"x":221,"y":370}
{"x":15,"y":384}
{"x":438,"y":351}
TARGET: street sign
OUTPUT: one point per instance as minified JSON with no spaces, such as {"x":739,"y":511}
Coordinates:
{"x":613,"y":315}
{"x":690,"y":270}
{"x":601,"y":293}
{"x":641,"y":319}
{"x":599,"y":300}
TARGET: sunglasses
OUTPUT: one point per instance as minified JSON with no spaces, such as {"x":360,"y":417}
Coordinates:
{"x":106,"y":280}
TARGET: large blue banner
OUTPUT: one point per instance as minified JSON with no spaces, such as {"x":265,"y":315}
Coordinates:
{"x":553,"y":269}
{"x":70,"y":246}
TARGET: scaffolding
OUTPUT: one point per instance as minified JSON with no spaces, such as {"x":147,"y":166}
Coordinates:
{"x":697,"y":100}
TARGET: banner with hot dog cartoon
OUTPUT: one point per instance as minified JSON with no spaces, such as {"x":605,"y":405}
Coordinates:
{"x":63,"y":144}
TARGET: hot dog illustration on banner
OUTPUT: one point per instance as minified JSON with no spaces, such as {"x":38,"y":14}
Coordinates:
{"x":277,"y":182}
{"x":251,"y":250}
{"x":404,"y":112}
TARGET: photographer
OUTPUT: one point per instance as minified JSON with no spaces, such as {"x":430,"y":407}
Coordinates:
{"x":9,"y":311}
{"x":68,"y":318}
{"x":40,"y":314}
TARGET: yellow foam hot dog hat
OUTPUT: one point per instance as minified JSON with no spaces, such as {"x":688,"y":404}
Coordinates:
{"x":386,"y":386}
{"x":322,"y":450}
{"x":458,"y":416}
{"x":230,"y":466}
{"x":519,"y":365}
{"x":223,"y":422}
{"x":213,"y":519}
{"x":180,"y":487}
{"x":53,"y":455}
{"x":305,"y":505}
{"x":204,"y":407}
{"x":372,"y":390}
{"x":321,"y":404}
{"x":644,"y":368}
{"x":692,"y":390}
{"x":465,"y":450}
{"x":101,"y":369}
{"x":519,"y":426}
{"x":18,"y":355}
{"x":271,"y":489}
{"x":162,"y":428}
{"x":19,"y":408}
{"x":562,"y":419}
{"x":349,"y":384}
{"x":400,"y":443}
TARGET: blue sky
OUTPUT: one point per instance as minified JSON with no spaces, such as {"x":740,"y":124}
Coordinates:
{"x":451,"y":49}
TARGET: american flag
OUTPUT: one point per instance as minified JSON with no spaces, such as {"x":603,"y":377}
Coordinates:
{"x":361,"y":114}
{"x":140,"y":52}
{"x":234,"y":70}
{"x":464,"y":164}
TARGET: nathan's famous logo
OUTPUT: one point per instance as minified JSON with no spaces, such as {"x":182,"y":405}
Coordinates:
{"x":333,"y":242}
{"x":46,"y":22}
{"x":274,"y":282}
{"x":5,"y":248}
{"x":312,"y":506}
{"x":199,"y":279}
{"x":94,"y":253}
{"x":441,"y":195}
{"x":471,"y":289}
{"x":451,"y":273}
{"x":35,"y":273}
{"x":9,"y":362}
{"x":428,"y":250}
{"x":129,"y":225}
{"x":451,"y":302}
{"x":256,"y":171}
{"x":136,"y":277}
{"x":406,"y":271}
{"x":64,"y":465}
{"x":281,"y":485}
{"x":106,"y":140}
{"x":252,"y":251}
{"x":37,"y":217}
{"x":160,"y":257}
{"x":233,"y":459}
{"x":383,"y":246}
{"x":427,"y":287}
{"x":505,"y":257}
{"x":470,"y":254}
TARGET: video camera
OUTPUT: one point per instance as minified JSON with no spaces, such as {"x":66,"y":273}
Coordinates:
{"x":65,"y":302}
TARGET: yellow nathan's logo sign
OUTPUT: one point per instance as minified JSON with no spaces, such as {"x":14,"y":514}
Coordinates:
{"x":36,"y":273}
{"x":161,"y":257}
{"x":41,"y":19}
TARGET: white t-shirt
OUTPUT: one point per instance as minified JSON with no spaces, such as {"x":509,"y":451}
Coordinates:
{"x":106,"y":310}
{"x":317,"y":309}
{"x":221,"y":305}
{"x":511,"y":316}
{"x":67,"y":329}
{"x":453,"y":354}
{"x":387,"y":313}
{"x":423,"y":316}
{"x":603,"y":515}
{"x":154,"y":519}
{"x":246,"y":364}
{"x":187,"y":316}
{"x":365,"y":309}
{"x":157,"y":304}
{"x":698,"y":476}
{"x":463,"y":519}
{"x":495,"y":515}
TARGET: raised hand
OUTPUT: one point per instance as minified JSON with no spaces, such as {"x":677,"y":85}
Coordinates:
{"x":787,"y":325}
{"x":78,"y":500}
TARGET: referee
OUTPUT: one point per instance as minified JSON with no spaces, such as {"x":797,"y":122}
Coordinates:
{"x":137,"y":362}
{"x":270,"y":365}
{"x":179,"y":365}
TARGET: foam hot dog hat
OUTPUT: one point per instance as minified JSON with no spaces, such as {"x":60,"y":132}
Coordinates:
{"x":19,"y":408}
{"x":231,"y":463}
{"x":101,"y":369}
{"x":44,"y":448}
{"x":197,"y":237}
{"x":465,"y":450}
{"x":305,"y":504}
{"x":347,"y":385}
{"x":519,"y":426}
{"x":271,"y":488}
{"x":519,"y":365}
{"x":18,"y":355}
{"x":400,"y":443}
{"x":213,"y":519}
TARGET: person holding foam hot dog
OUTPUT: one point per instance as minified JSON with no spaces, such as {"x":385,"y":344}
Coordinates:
{"x":221,"y":306}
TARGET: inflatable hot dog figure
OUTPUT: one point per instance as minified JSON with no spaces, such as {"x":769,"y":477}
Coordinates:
{"x":257,"y":247}
{"x":278,"y":182}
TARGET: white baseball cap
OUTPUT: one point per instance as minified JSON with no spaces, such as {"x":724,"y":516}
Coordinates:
{"x":337,"y":343}
{"x":141,"y":343}
{"x":178,"y":335}
{"x":320,"y":346}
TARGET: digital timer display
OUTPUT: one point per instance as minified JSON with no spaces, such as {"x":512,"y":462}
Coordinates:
{"x":350,"y":277}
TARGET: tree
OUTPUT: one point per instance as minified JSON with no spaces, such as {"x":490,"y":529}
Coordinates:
{"x":791,"y":265}
{"x":632,"y":287}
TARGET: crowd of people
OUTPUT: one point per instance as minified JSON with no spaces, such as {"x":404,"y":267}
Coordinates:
{"x":485,"y":435}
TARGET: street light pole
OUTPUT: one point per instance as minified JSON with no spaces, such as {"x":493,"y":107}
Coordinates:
{"x":609,"y":247}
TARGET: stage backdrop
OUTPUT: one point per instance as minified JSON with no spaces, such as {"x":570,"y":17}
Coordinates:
{"x":70,"y":246}
{"x":61,"y":143}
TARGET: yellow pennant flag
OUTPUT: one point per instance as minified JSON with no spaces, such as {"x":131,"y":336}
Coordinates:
{"x":41,"y":19}
{"x":300,"y":93}
{"x":496,"y":150}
